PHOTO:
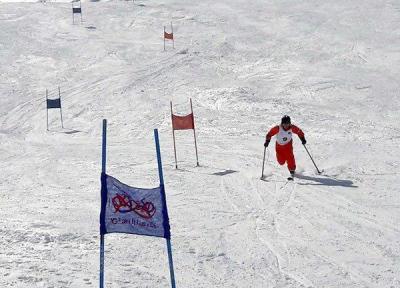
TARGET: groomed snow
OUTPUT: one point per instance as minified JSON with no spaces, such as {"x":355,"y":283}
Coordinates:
{"x":332,"y":65}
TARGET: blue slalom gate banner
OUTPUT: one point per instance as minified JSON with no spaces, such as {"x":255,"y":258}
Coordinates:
{"x":131,"y":210}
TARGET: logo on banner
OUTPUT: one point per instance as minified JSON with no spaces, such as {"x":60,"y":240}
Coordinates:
{"x":125,"y":204}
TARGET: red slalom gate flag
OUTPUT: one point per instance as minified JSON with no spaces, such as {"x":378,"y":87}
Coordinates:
{"x":182,"y":122}
{"x":169,"y":36}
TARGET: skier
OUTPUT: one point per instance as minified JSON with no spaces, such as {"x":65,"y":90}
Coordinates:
{"x":284,"y":146}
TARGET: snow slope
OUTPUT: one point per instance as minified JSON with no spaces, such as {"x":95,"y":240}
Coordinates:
{"x":332,"y":65}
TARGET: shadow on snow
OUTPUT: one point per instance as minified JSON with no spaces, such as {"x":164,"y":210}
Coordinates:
{"x":326,"y":181}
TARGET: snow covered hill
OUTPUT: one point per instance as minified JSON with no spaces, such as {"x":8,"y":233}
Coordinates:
{"x":332,"y":65}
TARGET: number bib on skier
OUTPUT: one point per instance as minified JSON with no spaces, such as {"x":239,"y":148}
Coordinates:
{"x":284,"y":137}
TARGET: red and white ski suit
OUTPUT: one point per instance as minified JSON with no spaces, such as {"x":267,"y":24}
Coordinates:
{"x":284,"y":144}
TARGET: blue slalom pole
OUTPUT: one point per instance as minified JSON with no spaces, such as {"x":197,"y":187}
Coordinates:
{"x":103,"y":171}
{"x":171,"y":263}
{"x":160,"y":174}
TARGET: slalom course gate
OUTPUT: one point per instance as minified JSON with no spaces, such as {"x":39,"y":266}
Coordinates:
{"x":53,"y":104}
{"x":132,"y":210}
{"x":76,"y":9}
{"x":183,"y":123}
{"x":169,"y":36}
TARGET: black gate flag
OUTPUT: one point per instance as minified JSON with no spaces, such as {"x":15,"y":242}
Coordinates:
{"x":54,"y":104}
{"x":76,"y":9}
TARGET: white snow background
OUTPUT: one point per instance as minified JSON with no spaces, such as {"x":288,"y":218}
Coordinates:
{"x":332,"y":65}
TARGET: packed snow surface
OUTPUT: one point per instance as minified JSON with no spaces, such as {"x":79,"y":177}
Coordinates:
{"x":332,"y":65}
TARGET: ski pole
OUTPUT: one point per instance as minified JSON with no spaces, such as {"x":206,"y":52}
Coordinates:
{"x":262,"y":172}
{"x":319,"y":172}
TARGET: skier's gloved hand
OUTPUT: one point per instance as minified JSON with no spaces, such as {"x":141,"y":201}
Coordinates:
{"x":303,"y":141}
{"x":266,"y":143}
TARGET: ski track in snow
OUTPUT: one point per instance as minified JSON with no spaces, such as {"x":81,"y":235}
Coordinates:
{"x":332,"y":65}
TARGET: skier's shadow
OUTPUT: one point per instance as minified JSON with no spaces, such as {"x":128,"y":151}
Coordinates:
{"x":326,"y":181}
